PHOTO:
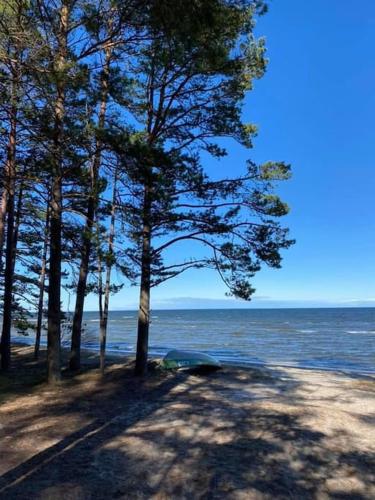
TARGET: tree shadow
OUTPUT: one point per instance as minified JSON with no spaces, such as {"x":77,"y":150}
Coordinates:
{"x":28,"y":374}
{"x":184,"y":435}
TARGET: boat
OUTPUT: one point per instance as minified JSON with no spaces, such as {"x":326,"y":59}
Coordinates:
{"x":189,"y":359}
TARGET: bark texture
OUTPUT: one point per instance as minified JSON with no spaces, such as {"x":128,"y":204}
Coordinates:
{"x":10,"y":185}
{"x":3,"y":212}
{"x":42,"y":284}
{"x":144,"y":300}
{"x":104,"y":310}
{"x":54,"y":291}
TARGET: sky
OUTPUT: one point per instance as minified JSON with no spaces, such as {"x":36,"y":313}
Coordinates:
{"x":315,"y":109}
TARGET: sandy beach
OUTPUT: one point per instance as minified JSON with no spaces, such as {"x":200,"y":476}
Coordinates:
{"x":237,"y":433}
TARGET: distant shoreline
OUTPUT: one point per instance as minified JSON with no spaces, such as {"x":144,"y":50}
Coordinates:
{"x":238,"y":309}
{"x":225,"y":309}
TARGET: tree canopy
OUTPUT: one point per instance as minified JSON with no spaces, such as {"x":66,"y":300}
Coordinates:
{"x":108,"y":110}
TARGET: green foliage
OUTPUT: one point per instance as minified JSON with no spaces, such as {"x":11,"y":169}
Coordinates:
{"x":274,"y":171}
{"x":136,"y":93}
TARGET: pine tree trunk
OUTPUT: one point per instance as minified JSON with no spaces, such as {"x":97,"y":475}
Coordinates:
{"x":3,"y":212}
{"x":144,"y":300}
{"x":104,"y":311}
{"x":8,"y":280}
{"x":42,"y":282}
{"x":17,"y":223}
{"x":75,"y":358}
{"x":54,"y":314}
{"x":10,"y":250}
{"x":103,"y":332}
{"x":8,"y":207}
{"x":8,"y":285}
{"x":54,"y":289}
{"x":13,"y":222}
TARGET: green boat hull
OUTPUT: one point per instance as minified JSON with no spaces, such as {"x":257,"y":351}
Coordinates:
{"x":189,"y":359}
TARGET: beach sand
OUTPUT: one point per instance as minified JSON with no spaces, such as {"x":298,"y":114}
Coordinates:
{"x":238,"y":433}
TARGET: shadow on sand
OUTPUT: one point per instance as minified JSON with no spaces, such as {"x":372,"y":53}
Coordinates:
{"x":185,"y":435}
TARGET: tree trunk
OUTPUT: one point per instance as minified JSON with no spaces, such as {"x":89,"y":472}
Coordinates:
{"x":144,"y":300}
{"x":8,"y":289}
{"x":54,"y":314}
{"x":3,"y":212}
{"x":10,"y":181}
{"x":75,"y":358}
{"x":7,"y":206}
{"x":17,"y":223}
{"x":9,"y":257}
{"x":104,"y":312}
{"x":42,"y":281}
{"x":54,"y":289}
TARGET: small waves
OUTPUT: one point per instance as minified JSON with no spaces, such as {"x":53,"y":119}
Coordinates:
{"x":325,"y":339}
{"x":353,"y":332}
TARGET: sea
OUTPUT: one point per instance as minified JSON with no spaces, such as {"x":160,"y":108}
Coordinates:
{"x":329,"y":339}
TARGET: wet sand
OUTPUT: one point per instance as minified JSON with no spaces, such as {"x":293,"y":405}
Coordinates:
{"x":238,"y":433}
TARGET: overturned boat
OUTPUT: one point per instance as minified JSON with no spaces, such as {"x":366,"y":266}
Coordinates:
{"x":189,"y":359}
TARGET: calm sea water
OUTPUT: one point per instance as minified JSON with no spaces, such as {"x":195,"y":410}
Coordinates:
{"x":335,"y":339}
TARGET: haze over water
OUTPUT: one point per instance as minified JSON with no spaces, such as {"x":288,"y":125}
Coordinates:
{"x":342,"y":339}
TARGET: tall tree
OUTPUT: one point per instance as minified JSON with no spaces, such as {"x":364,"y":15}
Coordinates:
{"x":54,"y":295}
{"x":75,"y":359}
{"x":62,"y":81}
{"x":116,"y":31}
{"x":12,"y":20}
{"x":193,"y":78}
{"x":42,"y":284}
{"x":109,"y":261}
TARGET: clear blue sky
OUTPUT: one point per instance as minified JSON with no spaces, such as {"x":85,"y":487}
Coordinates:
{"x":315,"y":109}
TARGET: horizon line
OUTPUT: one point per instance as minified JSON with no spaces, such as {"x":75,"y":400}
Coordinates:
{"x":238,"y":308}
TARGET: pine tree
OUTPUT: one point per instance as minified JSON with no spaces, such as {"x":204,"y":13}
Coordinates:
{"x":192,"y":80}
{"x":13,"y":50}
{"x":92,"y":201}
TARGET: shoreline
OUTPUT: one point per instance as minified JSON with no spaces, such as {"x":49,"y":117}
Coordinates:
{"x":240,"y":364}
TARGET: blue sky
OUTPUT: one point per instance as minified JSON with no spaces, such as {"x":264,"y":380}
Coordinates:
{"x":315,"y":109}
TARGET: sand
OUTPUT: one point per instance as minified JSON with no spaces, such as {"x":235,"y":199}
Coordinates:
{"x":239,"y":433}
